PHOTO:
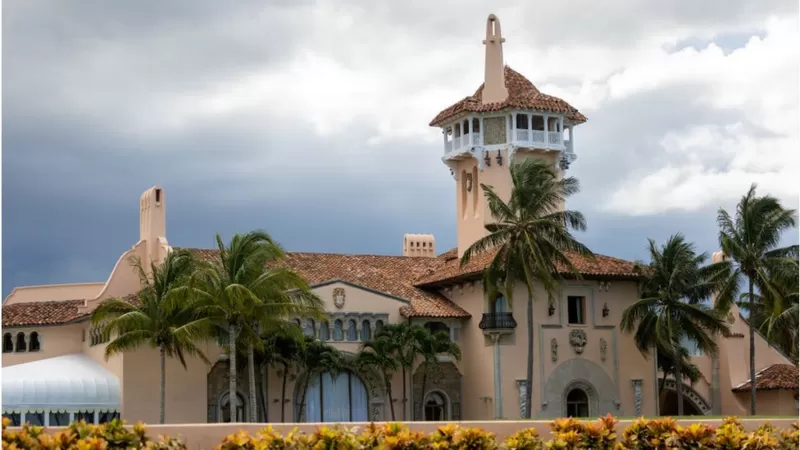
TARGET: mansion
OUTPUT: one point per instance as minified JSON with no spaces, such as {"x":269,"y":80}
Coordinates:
{"x":54,"y":368}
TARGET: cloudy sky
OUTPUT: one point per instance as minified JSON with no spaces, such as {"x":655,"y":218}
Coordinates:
{"x":309,"y":119}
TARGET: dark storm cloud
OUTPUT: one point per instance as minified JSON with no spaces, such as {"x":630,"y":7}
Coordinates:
{"x":87,"y":85}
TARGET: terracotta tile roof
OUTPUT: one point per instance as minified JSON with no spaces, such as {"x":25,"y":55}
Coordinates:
{"x":522,"y":94}
{"x":392,"y":275}
{"x":600,"y":266}
{"x":42,"y":313}
{"x":776,"y":376}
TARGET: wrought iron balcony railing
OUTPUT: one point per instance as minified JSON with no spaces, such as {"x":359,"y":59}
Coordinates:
{"x":498,"y":321}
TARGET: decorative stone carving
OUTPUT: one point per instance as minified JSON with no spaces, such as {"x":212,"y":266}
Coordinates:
{"x":338,"y":297}
{"x":637,"y":396}
{"x":577,"y":339}
{"x":554,"y":349}
{"x":603,"y":349}
{"x":523,"y":390}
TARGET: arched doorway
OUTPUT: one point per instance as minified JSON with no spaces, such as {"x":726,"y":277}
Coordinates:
{"x":577,"y":403}
{"x":339,"y":398}
{"x":224,"y":413}
{"x":436,"y":407}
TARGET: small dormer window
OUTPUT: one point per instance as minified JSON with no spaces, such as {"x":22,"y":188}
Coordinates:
{"x":34,"y":345}
{"x":8,"y":343}
{"x":21,"y":345}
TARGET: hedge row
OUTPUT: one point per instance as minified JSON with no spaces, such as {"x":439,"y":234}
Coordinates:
{"x":642,"y":434}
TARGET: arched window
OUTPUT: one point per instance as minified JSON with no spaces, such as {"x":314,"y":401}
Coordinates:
{"x":298,"y":323}
{"x":338,"y":330}
{"x":435,"y":407}
{"x":352,"y":332}
{"x":366,"y":331}
{"x":577,"y":403}
{"x":225,"y":409}
{"x":34,"y":344}
{"x":309,"y":329}
{"x":324,"y":331}
{"x":342,"y":398}
{"x":378,"y":326}
{"x":500,"y":304}
{"x":21,"y":346}
{"x":8,"y":343}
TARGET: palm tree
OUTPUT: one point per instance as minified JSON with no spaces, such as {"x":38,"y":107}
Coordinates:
{"x":666,"y":365}
{"x":670,"y":307}
{"x":317,"y":357}
{"x":406,"y":339}
{"x":379,"y":354}
{"x":531,"y":234}
{"x":775,"y":311}
{"x":750,"y":241}
{"x":245,"y":290}
{"x":160,"y":316}
{"x":431,"y":346}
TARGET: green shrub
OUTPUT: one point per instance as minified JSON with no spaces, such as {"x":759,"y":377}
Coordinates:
{"x":83,"y":436}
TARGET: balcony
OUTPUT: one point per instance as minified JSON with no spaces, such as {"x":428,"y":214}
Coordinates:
{"x":494,"y":322}
{"x":538,"y":139}
{"x":463,"y":143}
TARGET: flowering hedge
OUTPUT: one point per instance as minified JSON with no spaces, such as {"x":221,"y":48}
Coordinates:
{"x":642,"y":434}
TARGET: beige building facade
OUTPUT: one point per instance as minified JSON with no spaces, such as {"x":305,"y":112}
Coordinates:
{"x":54,"y":369}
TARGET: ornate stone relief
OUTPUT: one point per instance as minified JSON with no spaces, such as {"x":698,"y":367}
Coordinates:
{"x":338,"y":297}
{"x":554,"y":349}
{"x":637,"y":396}
{"x":603,"y":349}
{"x":577,"y":339}
{"x":522,"y":385}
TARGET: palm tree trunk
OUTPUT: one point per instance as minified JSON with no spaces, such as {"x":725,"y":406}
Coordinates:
{"x":405,"y":399}
{"x":251,"y":375}
{"x":303,"y":398}
{"x":265,"y":390}
{"x":678,"y":381}
{"x":388,"y":384}
{"x":752,"y":351}
{"x":283,"y":393}
{"x":421,"y":410}
{"x":233,"y":332}
{"x":529,"y":368}
{"x":163,"y":388}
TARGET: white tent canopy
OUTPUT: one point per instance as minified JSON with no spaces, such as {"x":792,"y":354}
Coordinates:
{"x":70,"y":383}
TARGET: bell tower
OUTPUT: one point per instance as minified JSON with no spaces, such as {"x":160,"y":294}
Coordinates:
{"x":505,"y":119}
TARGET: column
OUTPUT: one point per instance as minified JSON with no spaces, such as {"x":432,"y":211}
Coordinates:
{"x":546,"y":130}
{"x":530,"y":127}
{"x":469,"y":131}
{"x":444,"y":135}
{"x":498,"y":391}
{"x":637,"y":395}
{"x":571,"y":141}
{"x":561,"y":130}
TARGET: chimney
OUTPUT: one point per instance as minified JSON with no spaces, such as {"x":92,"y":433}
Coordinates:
{"x":419,"y":245}
{"x":494,"y":82}
{"x":153,"y":224}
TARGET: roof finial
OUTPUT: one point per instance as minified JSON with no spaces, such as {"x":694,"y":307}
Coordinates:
{"x":494,"y":83}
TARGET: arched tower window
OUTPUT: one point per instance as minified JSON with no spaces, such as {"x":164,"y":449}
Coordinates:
{"x":577,"y":403}
{"x":475,"y":188}
{"x":34,"y":345}
{"x":464,"y":189}
{"x":352,"y":332}
{"x":366,"y":330}
{"x":21,"y":345}
{"x":8,"y":343}
{"x":338,"y":330}
{"x":378,"y":326}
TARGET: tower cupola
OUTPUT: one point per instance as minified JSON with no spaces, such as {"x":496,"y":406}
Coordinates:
{"x":506,"y":118}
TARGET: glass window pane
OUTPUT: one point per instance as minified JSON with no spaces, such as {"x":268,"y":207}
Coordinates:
{"x":59,"y":419}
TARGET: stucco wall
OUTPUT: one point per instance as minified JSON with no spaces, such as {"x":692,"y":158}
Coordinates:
{"x":54,"y":341}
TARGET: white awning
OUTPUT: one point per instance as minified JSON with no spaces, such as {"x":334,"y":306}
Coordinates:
{"x":69,"y":383}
